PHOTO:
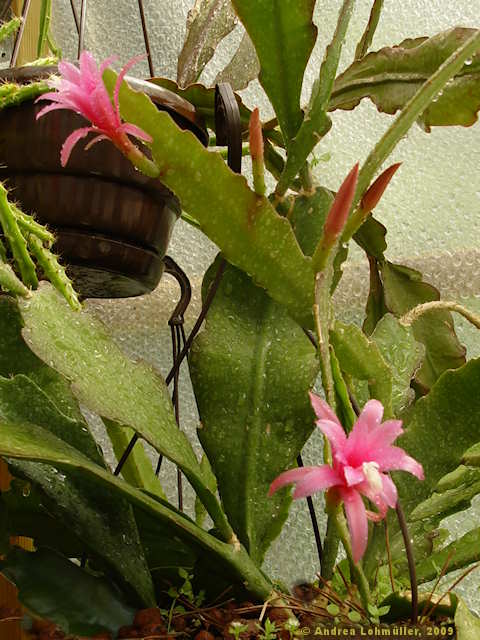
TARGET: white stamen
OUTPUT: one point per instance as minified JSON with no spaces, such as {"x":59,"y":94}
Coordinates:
{"x":374,"y":479}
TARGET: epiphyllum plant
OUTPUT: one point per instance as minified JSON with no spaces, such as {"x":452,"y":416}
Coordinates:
{"x":359,"y":462}
{"x":270,"y":330}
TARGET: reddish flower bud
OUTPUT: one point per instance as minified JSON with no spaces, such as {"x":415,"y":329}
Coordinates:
{"x":338,"y":214}
{"x":376,"y":189}
{"x":256,"y":137}
{"x":256,"y":152}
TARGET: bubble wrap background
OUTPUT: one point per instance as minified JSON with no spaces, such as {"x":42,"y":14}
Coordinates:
{"x":431,"y":209}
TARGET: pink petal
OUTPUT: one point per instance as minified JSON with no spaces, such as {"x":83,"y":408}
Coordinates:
{"x":357,"y":521}
{"x":71,"y":141}
{"x":135,"y":131}
{"x":95,"y":140}
{"x":50,"y":107}
{"x":105,"y":116}
{"x":386,"y":433}
{"x":322,"y":409}
{"x":89,"y":74}
{"x":395,"y":459}
{"x":371,"y":415}
{"x":389,"y":491}
{"x":325,"y":477}
{"x":335,"y":434}
{"x":69,"y":71}
{"x":120,"y":78}
{"x":52,"y":95}
{"x":358,"y":446}
{"x":107,"y":63}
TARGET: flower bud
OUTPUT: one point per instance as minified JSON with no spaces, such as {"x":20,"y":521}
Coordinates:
{"x":338,"y":214}
{"x":376,"y":189}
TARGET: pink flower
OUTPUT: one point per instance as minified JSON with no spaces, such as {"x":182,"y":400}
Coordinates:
{"x":82,"y":90}
{"x":360,"y":461}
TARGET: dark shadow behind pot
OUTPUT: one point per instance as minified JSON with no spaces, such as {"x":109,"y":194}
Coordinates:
{"x":112,"y":223}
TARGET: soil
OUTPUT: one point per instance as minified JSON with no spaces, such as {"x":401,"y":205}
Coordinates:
{"x":308,"y":606}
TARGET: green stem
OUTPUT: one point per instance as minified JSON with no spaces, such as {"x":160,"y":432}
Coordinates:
{"x":54,"y":271}
{"x":367,"y":37}
{"x":141,"y":162}
{"x":9,"y":28}
{"x":316,"y":122}
{"x":415,"y":313}
{"x":258,"y":171}
{"x":356,"y":571}
{"x":17,"y":242}
{"x":23,"y":93}
{"x":306,"y":178}
{"x":29,"y":225}
{"x":330,"y":549}
{"x":44,"y":26}
{"x":409,"y":114}
{"x":321,"y":311}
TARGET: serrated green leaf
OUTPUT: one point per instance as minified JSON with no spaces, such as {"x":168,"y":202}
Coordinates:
{"x":460,"y":553}
{"x":76,"y":504}
{"x":21,"y":400}
{"x":448,"y":414}
{"x":284,"y":35}
{"x":391,"y":76}
{"x":371,"y":237}
{"x":404,"y":289}
{"x":17,"y":358}
{"x":450,"y":500}
{"x":361,"y":359}
{"x":138,"y":468}
{"x":246,"y":228}
{"x":209,"y":21}
{"x":251,"y":369}
{"x":467,"y":624}
{"x":105,"y":380}
{"x":316,"y":122}
{"x":403,"y":354}
{"x":243,"y":67}
{"x":308,"y":217}
{"x":56,"y":589}
{"x":32,"y":443}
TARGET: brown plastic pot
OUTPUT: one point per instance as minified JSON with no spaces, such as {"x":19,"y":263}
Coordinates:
{"x":112,"y":223}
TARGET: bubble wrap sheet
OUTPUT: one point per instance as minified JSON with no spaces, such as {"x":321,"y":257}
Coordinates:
{"x":431,"y":209}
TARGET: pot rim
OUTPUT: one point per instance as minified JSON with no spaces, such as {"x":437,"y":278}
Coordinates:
{"x":164,"y":99}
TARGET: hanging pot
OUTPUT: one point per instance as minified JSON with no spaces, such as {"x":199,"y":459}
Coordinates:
{"x":112,"y":223}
